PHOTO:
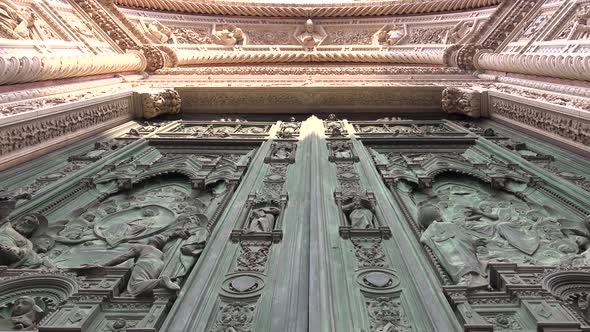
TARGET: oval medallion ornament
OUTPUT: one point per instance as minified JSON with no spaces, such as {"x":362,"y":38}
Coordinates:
{"x":243,"y":284}
{"x":378,"y":280}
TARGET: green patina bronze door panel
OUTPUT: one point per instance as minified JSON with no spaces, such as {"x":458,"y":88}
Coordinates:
{"x":301,"y":225}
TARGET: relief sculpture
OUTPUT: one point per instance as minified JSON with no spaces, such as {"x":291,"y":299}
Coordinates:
{"x":469,"y":225}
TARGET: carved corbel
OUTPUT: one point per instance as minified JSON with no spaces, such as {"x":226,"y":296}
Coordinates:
{"x":155,"y":104}
{"x":462,"y":101}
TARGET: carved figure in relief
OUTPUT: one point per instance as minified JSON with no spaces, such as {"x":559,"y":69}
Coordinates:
{"x":582,"y":25}
{"x":333,"y":126}
{"x":455,"y":251}
{"x":16,"y":248}
{"x":288,"y":129}
{"x":341,"y":150}
{"x":18,"y":23}
{"x":146,"y":273}
{"x":310,"y":37}
{"x":157,"y":32}
{"x":459,"y":31}
{"x":502,"y":227}
{"x":26,"y":313}
{"x":263,"y":219}
{"x":390,"y":36}
{"x":359,"y":214}
{"x":8,"y":201}
{"x":229,"y":36}
{"x":155,"y":104}
{"x":462,"y":101}
{"x":282,"y":151}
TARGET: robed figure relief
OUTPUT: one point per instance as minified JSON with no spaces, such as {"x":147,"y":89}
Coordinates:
{"x":146,"y":273}
{"x":263,"y":219}
{"x":455,"y":250}
{"x":468,"y":225}
{"x":359,"y":213}
{"x":16,"y":247}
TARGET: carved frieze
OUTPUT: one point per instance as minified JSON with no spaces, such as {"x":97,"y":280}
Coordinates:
{"x":432,"y":35}
{"x":574,"y":129}
{"x":349,"y":37}
{"x":218,"y":130}
{"x":30,"y":133}
{"x":393,"y":128}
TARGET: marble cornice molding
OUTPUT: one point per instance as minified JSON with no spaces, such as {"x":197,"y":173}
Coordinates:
{"x":433,"y":56}
{"x":539,"y":85}
{"x":266,"y":9}
{"x":563,"y":65}
{"x":311,"y":70}
{"x":50,"y":67}
{"x":76,"y":90}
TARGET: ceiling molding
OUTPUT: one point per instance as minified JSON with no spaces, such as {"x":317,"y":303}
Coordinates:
{"x":265,"y":9}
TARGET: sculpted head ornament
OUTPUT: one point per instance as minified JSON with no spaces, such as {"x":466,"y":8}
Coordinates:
{"x":309,"y":25}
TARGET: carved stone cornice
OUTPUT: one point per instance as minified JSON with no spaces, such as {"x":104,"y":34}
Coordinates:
{"x":49,"y":67}
{"x":562,"y":65}
{"x":311,"y":70}
{"x":434,"y":56}
{"x":560,"y":87}
{"x":266,"y":9}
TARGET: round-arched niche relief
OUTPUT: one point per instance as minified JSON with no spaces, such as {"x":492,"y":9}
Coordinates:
{"x":27,"y":299}
{"x":378,"y":280}
{"x":243,"y":285}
